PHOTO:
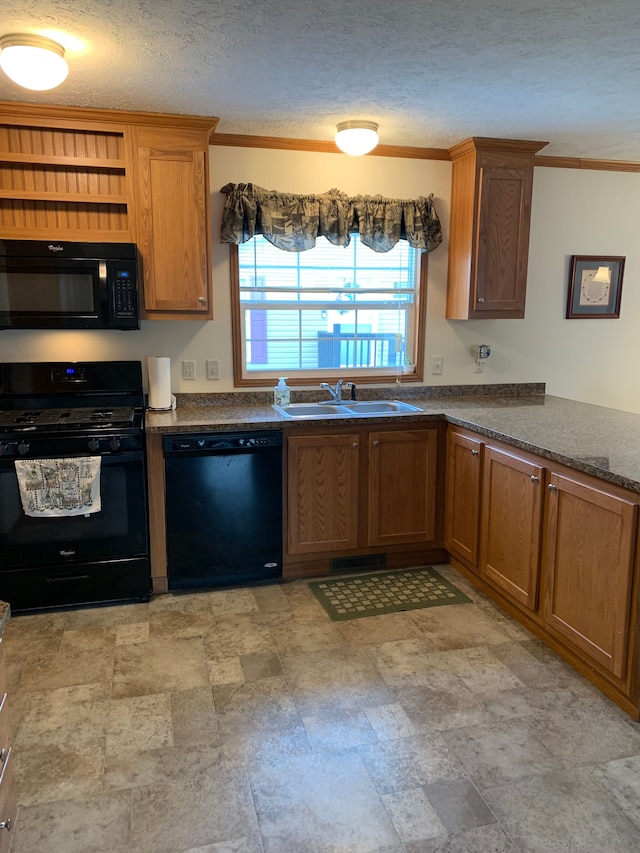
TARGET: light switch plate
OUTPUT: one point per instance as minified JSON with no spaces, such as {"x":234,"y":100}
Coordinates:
{"x":213,"y":368}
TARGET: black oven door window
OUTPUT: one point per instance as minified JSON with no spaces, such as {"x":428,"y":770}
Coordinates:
{"x":118,"y":531}
{"x":45,"y":293}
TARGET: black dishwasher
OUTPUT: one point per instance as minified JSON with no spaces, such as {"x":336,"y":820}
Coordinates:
{"x":224,"y":508}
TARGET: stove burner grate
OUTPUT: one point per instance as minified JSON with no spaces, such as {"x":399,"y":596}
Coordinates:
{"x":79,"y":417}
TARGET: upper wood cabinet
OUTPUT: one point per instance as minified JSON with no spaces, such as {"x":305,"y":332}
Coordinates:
{"x":491,"y":188}
{"x":70,"y":173}
{"x":65,"y":174}
{"x":173,"y":221}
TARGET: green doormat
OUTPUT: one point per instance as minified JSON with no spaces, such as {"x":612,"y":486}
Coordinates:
{"x":386,"y":592}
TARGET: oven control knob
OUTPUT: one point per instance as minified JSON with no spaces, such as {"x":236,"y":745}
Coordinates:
{"x":23,"y":448}
{"x":114,"y":444}
{"x":94,"y":444}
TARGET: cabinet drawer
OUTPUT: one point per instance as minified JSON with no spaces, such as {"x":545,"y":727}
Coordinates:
{"x":4,"y":730}
{"x":8,"y":804}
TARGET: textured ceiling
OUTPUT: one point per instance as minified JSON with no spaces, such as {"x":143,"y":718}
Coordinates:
{"x":430,"y":72}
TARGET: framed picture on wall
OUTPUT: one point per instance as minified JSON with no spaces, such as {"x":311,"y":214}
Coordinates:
{"x":595,"y":287}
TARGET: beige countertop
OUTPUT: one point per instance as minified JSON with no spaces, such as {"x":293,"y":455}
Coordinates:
{"x":593,"y":439}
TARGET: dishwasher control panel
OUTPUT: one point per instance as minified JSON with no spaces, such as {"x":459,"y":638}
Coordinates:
{"x":222,"y":442}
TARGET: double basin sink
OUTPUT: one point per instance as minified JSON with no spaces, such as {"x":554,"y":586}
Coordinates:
{"x":346,"y":409}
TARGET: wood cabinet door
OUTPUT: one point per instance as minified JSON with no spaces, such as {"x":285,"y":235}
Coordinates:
{"x":173,"y":232}
{"x":512,"y":501}
{"x":502,"y":241}
{"x":588,"y":568}
{"x":462,"y":513}
{"x":402,"y":486}
{"x":322,"y":493}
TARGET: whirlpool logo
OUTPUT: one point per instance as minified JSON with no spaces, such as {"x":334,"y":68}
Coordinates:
{"x":53,"y":248}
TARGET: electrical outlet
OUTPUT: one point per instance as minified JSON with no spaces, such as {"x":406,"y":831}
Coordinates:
{"x":188,"y":369}
{"x":478,"y":365}
{"x":437,"y":364}
{"x":213,"y":368}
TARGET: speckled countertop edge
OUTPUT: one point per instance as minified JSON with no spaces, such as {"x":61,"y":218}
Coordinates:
{"x":5,"y":613}
{"x":593,"y":439}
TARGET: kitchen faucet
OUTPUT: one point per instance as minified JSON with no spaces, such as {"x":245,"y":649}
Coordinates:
{"x":336,"y":394}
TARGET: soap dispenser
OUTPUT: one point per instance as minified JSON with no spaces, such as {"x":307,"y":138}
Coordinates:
{"x":281,"y":393}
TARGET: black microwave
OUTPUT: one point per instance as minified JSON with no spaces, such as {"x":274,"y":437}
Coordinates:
{"x":50,"y":284}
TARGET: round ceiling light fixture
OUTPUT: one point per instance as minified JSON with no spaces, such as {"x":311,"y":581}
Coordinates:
{"x":357,"y":137}
{"x":32,"y":61}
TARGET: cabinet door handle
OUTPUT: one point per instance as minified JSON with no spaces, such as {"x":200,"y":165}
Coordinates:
{"x":480,"y":298}
{"x":376,"y":443}
{"x":6,"y":824}
{"x":534,"y":479}
{"x":202,"y":299}
{"x":475,"y":452}
{"x":552,"y":488}
{"x":355,"y":444}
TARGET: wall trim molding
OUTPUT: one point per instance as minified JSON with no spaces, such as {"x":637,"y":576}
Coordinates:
{"x":324,"y":147}
{"x":412,"y":153}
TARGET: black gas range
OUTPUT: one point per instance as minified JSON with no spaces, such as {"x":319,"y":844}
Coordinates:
{"x":73,"y":508}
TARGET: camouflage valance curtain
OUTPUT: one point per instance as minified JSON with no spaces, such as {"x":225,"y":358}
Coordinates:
{"x":292,"y":222}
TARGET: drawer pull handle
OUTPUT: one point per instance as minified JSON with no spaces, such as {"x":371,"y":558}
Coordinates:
{"x":6,"y":824}
{"x":552,"y":488}
{"x":475,"y":452}
{"x":4,"y":754}
{"x":534,"y":479}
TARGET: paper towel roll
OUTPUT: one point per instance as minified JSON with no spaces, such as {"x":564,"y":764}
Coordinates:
{"x":159,"y":370}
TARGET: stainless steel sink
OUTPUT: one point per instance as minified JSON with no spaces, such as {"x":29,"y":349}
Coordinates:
{"x":312,"y":410}
{"x":347,"y":409}
{"x":381,"y":407}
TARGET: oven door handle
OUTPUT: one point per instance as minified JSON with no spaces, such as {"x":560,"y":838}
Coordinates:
{"x":75,"y":576}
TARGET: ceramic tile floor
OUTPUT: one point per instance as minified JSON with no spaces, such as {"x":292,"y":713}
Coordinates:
{"x":245,"y":721}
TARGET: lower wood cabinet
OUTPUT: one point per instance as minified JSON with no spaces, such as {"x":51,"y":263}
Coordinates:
{"x":402,"y":486}
{"x":589,"y":563}
{"x":8,"y":799}
{"x":558,"y":547}
{"x":511,"y":524}
{"x":462,"y":518}
{"x":322,"y":492}
{"x":360,"y":490}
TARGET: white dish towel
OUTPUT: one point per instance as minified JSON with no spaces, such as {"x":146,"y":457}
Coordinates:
{"x":59,"y":487}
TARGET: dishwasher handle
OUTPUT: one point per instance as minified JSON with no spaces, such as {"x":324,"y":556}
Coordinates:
{"x":222,"y":443}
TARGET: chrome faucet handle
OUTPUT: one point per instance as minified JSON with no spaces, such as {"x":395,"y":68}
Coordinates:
{"x":327,"y":387}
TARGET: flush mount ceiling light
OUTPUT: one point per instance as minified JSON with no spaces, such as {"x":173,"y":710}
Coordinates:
{"x":33,"y":62}
{"x":357,"y":137}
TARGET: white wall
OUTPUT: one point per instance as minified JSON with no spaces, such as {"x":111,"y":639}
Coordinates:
{"x":574,"y":212}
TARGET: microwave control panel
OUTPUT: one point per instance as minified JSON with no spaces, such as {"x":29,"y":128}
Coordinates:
{"x":125,"y":290}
